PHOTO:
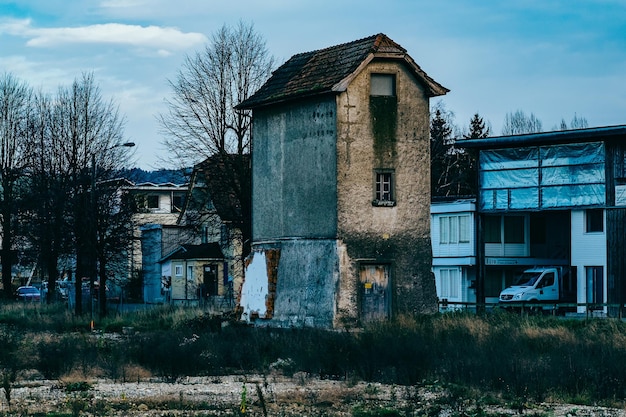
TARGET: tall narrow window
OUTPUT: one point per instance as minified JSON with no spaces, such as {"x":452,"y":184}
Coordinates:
{"x":595,"y":285}
{"x":464,"y":229}
{"x":384,"y":195}
{"x":190,"y":273}
{"x":444,"y":229}
{"x":177,"y":203}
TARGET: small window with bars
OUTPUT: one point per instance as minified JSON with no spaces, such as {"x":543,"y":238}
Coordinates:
{"x":384,"y":192}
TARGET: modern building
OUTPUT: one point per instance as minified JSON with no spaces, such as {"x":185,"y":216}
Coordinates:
{"x":554,"y":198}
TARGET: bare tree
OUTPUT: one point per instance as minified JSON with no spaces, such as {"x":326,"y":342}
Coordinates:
{"x":86,"y":135}
{"x":202,"y":120}
{"x":518,"y":123}
{"x":578,"y":122}
{"x":114,"y":233}
{"x":15,"y":98}
{"x":202,"y":125}
{"x":48,"y":190}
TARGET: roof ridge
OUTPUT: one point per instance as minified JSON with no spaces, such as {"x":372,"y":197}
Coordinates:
{"x":321,"y":71}
{"x":374,"y":38}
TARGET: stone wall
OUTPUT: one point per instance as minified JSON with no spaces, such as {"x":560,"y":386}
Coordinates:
{"x":400,"y":235}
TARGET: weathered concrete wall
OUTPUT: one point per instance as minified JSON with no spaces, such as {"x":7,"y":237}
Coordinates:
{"x":304,"y":294}
{"x":399,"y":235}
{"x":294,"y":171}
{"x":307,"y":283}
{"x":313,"y":184}
{"x":298,"y":289}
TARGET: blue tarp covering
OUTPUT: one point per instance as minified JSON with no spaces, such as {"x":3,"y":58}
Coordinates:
{"x":557,"y":176}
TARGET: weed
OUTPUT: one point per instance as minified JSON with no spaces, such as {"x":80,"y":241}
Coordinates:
{"x":375,"y":412}
{"x":259,"y":393}
{"x":243,"y":405}
{"x":78,"y":403}
{"x":6,"y":386}
{"x":511,"y":358}
{"x":79,"y":386}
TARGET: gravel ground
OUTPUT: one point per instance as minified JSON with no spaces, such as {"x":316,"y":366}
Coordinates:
{"x":272,"y":396}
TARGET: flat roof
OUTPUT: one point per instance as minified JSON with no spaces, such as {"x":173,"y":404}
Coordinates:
{"x":592,"y":134}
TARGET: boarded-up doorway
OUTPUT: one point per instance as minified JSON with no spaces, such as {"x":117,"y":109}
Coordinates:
{"x":210,"y":280}
{"x":374,"y":287}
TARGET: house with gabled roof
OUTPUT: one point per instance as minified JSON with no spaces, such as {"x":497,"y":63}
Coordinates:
{"x":341,"y":188}
{"x":217,"y":211}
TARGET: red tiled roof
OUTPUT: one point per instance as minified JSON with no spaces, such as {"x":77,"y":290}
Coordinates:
{"x":323,"y":71}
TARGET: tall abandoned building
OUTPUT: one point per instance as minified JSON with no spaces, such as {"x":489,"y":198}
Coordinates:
{"x":341,"y":188}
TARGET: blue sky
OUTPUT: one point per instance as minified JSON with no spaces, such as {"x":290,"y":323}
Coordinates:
{"x":554,"y":58}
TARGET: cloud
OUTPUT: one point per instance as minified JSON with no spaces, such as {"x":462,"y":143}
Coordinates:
{"x":123,"y":3}
{"x":162,"y":39}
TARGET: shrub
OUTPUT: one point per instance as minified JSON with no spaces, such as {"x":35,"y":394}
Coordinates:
{"x":519,"y":358}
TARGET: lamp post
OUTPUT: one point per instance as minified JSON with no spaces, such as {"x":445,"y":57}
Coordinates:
{"x":94,"y":231}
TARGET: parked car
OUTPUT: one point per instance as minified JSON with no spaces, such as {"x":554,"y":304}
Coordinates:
{"x":27,"y":293}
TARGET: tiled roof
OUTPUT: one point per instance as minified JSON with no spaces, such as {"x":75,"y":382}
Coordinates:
{"x":326,"y":70}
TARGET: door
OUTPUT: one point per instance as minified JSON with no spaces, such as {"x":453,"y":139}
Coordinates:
{"x":375,"y":295}
{"x":210,"y":280}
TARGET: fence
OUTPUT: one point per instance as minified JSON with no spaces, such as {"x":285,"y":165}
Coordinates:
{"x":569,"y":309}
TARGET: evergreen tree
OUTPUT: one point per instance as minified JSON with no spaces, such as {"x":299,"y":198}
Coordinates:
{"x":467,"y":158}
{"x":440,"y":146}
{"x":478,"y":129}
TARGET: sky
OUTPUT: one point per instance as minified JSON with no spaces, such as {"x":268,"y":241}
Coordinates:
{"x":552,"y":58}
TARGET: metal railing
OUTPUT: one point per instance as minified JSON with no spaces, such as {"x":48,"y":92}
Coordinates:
{"x":605,"y":310}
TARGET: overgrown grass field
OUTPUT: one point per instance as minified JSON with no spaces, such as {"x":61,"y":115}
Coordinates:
{"x":513,"y":356}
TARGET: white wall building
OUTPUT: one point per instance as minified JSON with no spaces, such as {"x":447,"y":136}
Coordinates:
{"x":453,"y":237}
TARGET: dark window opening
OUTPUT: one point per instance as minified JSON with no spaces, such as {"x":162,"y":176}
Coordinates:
{"x":493,"y":233}
{"x":514,"y":229}
{"x":538,"y":229}
{"x":594,"y":220}
{"x":177,"y":203}
{"x":153,"y":201}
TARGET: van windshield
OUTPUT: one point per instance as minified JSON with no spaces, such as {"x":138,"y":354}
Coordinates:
{"x":527,"y":279}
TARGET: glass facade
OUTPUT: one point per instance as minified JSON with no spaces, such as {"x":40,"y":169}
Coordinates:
{"x":540,"y":177}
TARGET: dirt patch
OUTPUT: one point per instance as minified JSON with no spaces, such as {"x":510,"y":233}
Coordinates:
{"x":299,"y":395}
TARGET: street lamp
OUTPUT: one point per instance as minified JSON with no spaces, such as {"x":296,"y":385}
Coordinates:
{"x":94,"y":226}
